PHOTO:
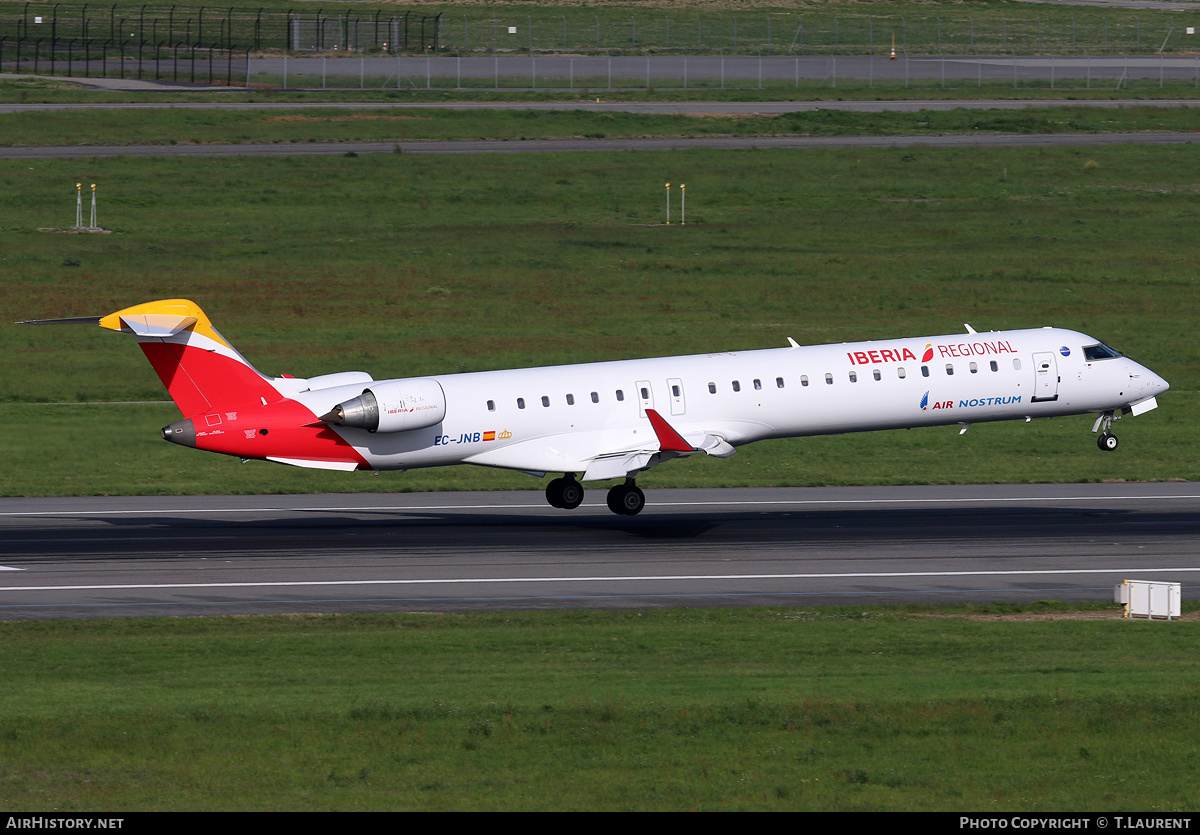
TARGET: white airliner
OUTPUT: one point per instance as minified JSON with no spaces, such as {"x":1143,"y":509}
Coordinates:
{"x":613,"y":420}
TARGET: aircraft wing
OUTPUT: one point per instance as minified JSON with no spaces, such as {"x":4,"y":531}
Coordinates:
{"x":576,"y":452}
{"x":670,"y":444}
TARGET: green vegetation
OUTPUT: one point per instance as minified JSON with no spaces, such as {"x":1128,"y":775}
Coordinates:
{"x":405,"y":265}
{"x":797,"y":709}
{"x":660,"y":26}
{"x":382,"y":124}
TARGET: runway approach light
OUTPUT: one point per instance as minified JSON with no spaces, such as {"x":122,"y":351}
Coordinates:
{"x":79,"y":208}
{"x":682,"y":204}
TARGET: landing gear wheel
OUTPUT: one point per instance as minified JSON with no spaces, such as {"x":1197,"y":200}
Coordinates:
{"x":1107,"y":442}
{"x":572,"y":494}
{"x":552,"y":492}
{"x":565,"y":492}
{"x":626,"y":500}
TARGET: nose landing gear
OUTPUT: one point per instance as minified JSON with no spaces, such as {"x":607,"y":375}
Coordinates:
{"x":1107,"y":440}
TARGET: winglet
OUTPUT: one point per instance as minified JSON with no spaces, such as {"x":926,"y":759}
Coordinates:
{"x":668,"y":439}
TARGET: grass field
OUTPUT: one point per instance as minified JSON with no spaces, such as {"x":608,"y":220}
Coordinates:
{"x":317,"y":124}
{"x":760,"y":709}
{"x":566,"y":259}
{"x":660,"y":26}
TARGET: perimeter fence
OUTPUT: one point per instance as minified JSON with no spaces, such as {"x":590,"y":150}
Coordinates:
{"x":234,"y":28}
{"x":162,"y":61}
{"x":780,"y":73}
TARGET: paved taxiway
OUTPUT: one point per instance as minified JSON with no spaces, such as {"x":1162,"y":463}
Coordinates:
{"x":110,"y":557}
{"x":521,"y":146}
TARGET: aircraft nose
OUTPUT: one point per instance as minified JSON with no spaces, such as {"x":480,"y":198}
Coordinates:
{"x":1152,"y":384}
{"x":1157,"y":384}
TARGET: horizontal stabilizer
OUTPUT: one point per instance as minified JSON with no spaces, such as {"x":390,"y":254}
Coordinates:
{"x":73,"y":320}
{"x":157,"y":324}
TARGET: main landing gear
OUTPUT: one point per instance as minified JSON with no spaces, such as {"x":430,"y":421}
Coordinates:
{"x":565,"y":492}
{"x":1107,"y":440}
{"x":624,"y":499}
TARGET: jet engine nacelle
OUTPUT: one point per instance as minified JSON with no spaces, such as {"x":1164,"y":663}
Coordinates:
{"x":393,"y":406}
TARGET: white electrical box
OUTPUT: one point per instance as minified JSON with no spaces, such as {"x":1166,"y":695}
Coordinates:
{"x":1149,"y":598}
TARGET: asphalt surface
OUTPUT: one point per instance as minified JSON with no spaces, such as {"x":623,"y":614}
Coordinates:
{"x":599,"y":105}
{"x":179,"y":556}
{"x":518,"y":146}
{"x":982,"y":140}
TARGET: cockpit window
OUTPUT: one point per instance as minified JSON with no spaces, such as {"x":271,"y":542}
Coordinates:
{"x":1092,"y":353}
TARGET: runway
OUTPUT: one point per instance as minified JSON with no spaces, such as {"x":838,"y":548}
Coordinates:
{"x":222,"y":555}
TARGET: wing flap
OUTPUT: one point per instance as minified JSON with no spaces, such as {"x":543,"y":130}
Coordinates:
{"x":620,"y":465}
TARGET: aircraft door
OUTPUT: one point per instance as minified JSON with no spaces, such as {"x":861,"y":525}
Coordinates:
{"x":1045,"y":371}
{"x":675,"y":389}
{"x":645,"y":396}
